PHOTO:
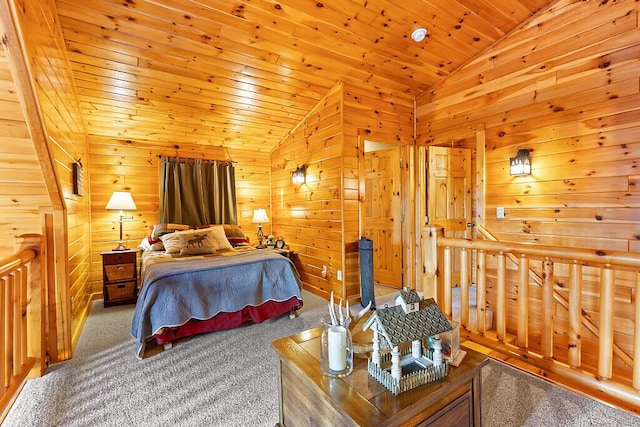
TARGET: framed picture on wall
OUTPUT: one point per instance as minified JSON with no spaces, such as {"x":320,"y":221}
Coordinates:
{"x":78,"y":179}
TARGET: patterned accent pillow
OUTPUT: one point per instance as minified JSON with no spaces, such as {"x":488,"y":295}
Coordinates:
{"x":197,"y":242}
{"x":159,"y":230}
{"x":234,"y":234}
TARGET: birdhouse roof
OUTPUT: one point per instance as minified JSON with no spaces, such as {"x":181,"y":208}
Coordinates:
{"x":397,"y":327}
{"x":410,"y":296}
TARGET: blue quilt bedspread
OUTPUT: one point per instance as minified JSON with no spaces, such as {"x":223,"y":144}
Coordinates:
{"x":177,"y":291}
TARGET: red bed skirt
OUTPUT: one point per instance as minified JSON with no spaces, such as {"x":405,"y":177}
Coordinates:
{"x":226,"y":320}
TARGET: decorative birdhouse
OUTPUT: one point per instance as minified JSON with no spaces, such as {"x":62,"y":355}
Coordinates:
{"x":415,"y":364}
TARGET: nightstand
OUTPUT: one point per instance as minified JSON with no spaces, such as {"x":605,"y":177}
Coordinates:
{"x":119,"y":277}
{"x":284,"y":252}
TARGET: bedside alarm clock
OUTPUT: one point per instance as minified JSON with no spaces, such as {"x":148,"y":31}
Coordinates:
{"x":280,"y":243}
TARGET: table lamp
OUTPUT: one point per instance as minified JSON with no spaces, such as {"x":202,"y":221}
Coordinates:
{"x":121,"y":201}
{"x":260,"y":216}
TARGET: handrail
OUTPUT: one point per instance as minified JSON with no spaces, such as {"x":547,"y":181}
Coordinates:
{"x":586,"y":256}
{"x":12,"y":263}
{"x":514,"y":308}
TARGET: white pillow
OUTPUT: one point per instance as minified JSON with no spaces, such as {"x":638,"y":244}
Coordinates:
{"x":222,"y":243}
{"x":171,"y":242}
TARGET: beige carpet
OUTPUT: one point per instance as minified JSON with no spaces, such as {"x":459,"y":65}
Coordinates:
{"x":229,"y":378}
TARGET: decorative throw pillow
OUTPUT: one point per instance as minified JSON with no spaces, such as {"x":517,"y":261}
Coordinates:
{"x":171,"y":242}
{"x":234,"y":234}
{"x":197,"y":242}
{"x":222,"y":244}
{"x":159,"y":230}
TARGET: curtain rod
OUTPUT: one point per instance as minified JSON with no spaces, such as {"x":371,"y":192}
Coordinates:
{"x":179,"y":158}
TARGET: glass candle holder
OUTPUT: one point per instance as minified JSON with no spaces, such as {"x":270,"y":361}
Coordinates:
{"x":336,"y":354}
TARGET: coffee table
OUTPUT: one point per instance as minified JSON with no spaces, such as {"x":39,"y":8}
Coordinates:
{"x":307,"y":397}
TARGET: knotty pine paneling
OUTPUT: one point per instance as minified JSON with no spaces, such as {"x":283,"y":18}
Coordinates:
{"x":319,"y":220}
{"x":133,"y":165}
{"x":22,"y":188}
{"x":566,"y":87}
{"x":309,"y":216}
{"x":64,"y":126}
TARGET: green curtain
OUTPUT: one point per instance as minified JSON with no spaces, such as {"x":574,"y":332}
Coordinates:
{"x":197,"y":192}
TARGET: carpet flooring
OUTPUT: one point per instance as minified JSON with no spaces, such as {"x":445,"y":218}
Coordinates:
{"x":229,"y":378}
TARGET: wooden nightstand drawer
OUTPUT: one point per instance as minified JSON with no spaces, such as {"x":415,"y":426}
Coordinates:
{"x":120,"y":291}
{"x":128,"y":257}
{"x":120,"y":272}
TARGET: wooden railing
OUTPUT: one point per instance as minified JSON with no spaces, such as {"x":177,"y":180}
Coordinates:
{"x":22,"y":351}
{"x":574,"y":313}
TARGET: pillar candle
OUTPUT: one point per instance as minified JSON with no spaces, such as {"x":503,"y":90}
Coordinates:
{"x":337,"y":348}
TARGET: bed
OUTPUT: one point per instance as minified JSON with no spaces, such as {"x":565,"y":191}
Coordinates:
{"x":209,"y":288}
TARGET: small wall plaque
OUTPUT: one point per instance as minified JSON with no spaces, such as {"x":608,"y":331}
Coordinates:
{"x":78,"y":179}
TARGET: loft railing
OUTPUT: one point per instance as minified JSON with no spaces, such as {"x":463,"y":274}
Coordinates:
{"x":572,"y":312}
{"x":22,"y":350}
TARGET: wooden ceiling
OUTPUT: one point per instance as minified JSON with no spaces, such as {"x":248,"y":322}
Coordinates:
{"x":241,"y":74}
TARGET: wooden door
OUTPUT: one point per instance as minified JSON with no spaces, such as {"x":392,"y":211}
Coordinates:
{"x":382,"y":220}
{"x":449,"y":192}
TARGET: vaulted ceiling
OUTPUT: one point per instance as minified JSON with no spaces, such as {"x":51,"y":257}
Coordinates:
{"x":241,"y":74}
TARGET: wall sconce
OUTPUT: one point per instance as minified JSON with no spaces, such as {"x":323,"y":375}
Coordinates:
{"x":520,"y":165}
{"x":298,"y":176}
{"x":260,"y":216}
{"x":121,"y":201}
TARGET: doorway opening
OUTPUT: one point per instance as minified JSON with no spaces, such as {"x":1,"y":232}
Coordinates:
{"x":382,"y":214}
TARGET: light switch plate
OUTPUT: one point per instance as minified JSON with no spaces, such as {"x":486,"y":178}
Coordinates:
{"x":500,"y":212}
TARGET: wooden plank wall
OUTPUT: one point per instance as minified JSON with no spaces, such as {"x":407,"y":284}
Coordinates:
{"x":133,"y":165}
{"x":567,"y":87}
{"x":65,"y":131}
{"x":22,"y":189}
{"x":320,"y":219}
{"x":310,"y":216}
{"x":382,"y":116}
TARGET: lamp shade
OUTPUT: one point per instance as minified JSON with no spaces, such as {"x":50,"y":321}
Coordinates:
{"x":260,"y":216}
{"x":121,"y":201}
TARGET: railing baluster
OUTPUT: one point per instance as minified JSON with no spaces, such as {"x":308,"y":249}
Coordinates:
{"x":636,"y":341}
{"x":523,"y":301}
{"x":481,"y":289}
{"x":464,"y":287}
{"x":547,"y":308}
{"x":8,"y":337}
{"x":501,"y":295}
{"x":448,"y":309}
{"x":575,"y":312}
{"x":605,"y":343}
{"x":4,"y":381}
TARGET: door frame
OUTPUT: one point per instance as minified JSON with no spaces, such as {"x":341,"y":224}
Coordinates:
{"x":408,"y":188}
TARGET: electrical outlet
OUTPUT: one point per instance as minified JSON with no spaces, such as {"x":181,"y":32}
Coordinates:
{"x":339,"y":275}
{"x":499,"y":212}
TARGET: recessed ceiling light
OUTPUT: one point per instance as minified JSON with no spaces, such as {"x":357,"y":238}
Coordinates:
{"x":419,"y":34}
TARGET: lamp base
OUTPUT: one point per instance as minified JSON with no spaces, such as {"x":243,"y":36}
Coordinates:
{"x":121,"y":247}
